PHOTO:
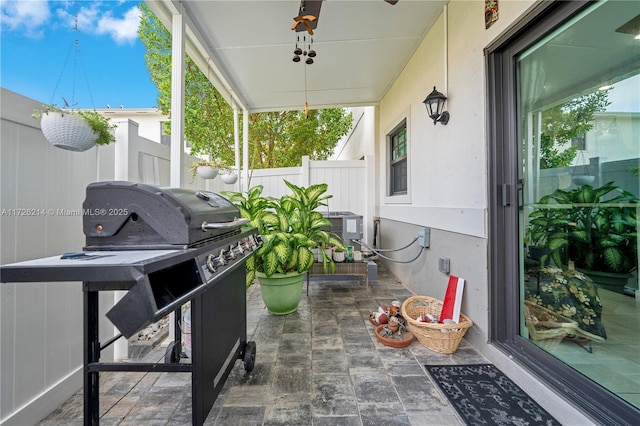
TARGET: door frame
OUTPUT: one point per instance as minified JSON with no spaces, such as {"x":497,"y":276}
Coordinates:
{"x":503,"y":220}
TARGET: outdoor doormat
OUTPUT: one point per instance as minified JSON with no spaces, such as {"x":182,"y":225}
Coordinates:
{"x":483,"y":395}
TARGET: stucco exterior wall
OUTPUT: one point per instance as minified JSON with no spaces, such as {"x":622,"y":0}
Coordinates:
{"x":149,"y":120}
{"x":447,"y":164}
{"x":448,"y":175}
{"x":360,"y":141}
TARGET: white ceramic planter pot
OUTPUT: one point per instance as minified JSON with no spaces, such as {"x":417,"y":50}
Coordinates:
{"x":338,"y":256}
{"x":207,"y":172}
{"x":229,"y":178}
{"x":583,"y":179}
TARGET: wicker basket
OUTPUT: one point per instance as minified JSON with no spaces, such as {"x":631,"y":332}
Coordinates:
{"x":544,"y":324}
{"x":443,"y":338}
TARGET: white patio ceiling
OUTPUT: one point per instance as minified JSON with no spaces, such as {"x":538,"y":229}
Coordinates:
{"x":246,"y":48}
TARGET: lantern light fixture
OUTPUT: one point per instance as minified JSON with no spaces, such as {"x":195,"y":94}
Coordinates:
{"x":435,"y":105}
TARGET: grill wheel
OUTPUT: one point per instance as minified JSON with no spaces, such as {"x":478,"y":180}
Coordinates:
{"x":249,"y":356}
{"x":172,"y":356}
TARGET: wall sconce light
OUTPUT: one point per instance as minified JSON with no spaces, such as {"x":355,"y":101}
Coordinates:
{"x":435,"y":105}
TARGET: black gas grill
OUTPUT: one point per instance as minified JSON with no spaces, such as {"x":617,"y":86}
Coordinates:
{"x":133,"y":216}
{"x":166,"y":247}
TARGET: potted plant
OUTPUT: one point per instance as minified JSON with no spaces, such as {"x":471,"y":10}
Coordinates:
{"x":289,"y":226}
{"x":228,"y":175}
{"x":595,"y":228}
{"x":74,"y":130}
{"x":204,"y":168}
{"x":543,"y":221}
{"x":339,"y":255}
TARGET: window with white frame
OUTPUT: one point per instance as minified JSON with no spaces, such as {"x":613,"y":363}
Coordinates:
{"x":398,"y":160}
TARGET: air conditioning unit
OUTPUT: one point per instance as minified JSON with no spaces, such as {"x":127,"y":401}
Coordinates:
{"x":346,"y":225}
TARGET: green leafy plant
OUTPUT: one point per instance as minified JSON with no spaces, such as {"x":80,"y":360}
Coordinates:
{"x":547,"y":219}
{"x":98,"y":123}
{"x":276,"y":138}
{"x":565,"y":122}
{"x":289,"y":226}
{"x":596,"y":228}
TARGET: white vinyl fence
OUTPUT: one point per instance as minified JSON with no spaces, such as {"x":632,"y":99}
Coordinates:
{"x":41,"y":345}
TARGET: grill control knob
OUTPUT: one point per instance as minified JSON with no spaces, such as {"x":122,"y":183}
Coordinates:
{"x":255,"y":241}
{"x":239,"y":249}
{"x":221,"y":260}
{"x":230,"y":254}
{"x":210,"y":264}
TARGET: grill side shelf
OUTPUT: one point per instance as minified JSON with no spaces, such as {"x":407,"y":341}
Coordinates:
{"x":105,"y":266}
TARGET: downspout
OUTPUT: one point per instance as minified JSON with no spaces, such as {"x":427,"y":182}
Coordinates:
{"x":446,"y":49}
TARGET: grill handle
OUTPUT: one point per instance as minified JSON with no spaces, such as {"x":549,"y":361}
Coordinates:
{"x":223,"y":225}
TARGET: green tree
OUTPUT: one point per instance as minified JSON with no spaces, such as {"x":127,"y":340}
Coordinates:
{"x":564,"y":122}
{"x":276,"y":139}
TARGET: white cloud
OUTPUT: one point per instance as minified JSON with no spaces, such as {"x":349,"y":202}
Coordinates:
{"x":33,"y":17}
{"x":123,"y":30}
{"x":86,"y":17}
{"x":27,"y":16}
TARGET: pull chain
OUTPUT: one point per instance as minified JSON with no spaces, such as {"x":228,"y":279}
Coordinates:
{"x":306,"y":103}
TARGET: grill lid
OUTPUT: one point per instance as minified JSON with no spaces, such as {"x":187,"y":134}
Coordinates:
{"x":129,"y":215}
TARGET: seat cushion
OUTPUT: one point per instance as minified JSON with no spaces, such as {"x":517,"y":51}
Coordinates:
{"x":569,"y":293}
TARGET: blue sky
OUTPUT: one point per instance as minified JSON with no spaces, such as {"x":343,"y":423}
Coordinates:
{"x":38,"y":53}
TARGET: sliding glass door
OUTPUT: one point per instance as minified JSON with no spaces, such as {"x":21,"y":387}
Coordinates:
{"x":564,"y":152}
{"x":578,"y":103}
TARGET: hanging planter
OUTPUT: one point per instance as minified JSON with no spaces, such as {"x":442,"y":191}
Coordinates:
{"x":228,"y":176}
{"x":207,"y":172}
{"x":580,"y":180}
{"x":584,"y":178}
{"x":74,"y":130}
{"x":205,"y":169}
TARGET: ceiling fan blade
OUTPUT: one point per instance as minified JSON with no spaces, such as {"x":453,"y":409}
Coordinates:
{"x":391,"y":2}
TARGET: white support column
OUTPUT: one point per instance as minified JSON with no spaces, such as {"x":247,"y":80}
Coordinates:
{"x":177,"y":114}
{"x":532,"y":160}
{"x":177,"y":100}
{"x":245,"y":150}
{"x":536,"y":165}
{"x":236,"y":142}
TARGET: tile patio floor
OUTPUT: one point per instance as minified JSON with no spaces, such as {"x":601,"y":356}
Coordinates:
{"x":319,"y":366}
